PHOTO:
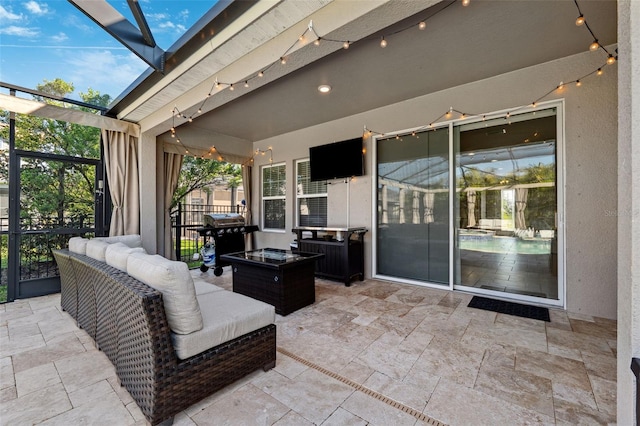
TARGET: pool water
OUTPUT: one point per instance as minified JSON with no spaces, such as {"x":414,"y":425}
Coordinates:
{"x":507,"y":245}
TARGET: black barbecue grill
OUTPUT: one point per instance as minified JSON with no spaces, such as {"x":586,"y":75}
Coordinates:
{"x":223,"y":233}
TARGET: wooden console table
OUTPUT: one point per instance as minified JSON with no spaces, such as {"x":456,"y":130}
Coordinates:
{"x":343,"y":250}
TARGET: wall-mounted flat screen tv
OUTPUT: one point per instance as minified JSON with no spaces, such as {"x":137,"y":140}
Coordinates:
{"x":336,"y":160}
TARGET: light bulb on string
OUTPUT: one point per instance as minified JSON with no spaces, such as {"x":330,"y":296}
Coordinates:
{"x":231,"y":87}
{"x":594,"y":46}
{"x":345,"y":45}
{"x":246,"y":83}
{"x":199,"y":110}
{"x":611,"y":60}
{"x":580,"y":20}
{"x":578,"y":83}
{"x":599,"y":72}
{"x":383,"y":43}
{"x":283,"y":60}
{"x":466,"y":2}
{"x":261,"y":74}
{"x":422,"y":25}
{"x":317,"y":41}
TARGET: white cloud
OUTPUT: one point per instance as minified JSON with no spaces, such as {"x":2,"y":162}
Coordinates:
{"x":13,"y":30}
{"x":157,"y":16}
{"x":36,"y":8}
{"x":8,"y":15}
{"x":167,"y":25}
{"x":59,"y":38}
{"x":104,"y":71}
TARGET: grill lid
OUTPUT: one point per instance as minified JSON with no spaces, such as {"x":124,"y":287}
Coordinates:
{"x":223,"y":220}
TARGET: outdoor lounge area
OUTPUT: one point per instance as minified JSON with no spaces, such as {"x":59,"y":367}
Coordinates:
{"x":374,"y":353}
{"x":428,"y":152}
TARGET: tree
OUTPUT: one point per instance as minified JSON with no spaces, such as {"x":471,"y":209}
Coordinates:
{"x":198,"y":173}
{"x":56,"y":188}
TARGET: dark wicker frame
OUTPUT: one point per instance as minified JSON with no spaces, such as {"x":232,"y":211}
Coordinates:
{"x":127,"y":320}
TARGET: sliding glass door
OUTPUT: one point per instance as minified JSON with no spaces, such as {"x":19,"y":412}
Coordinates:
{"x":413,"y":207}
{"x":506,"y":205}
{"x":474,"y":206}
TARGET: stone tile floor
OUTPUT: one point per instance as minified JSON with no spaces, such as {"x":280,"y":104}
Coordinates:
{"x":374,"y":353}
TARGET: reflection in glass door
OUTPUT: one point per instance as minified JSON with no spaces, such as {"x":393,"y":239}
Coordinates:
{"x":506,"y":205}
{"x":413,"y":207}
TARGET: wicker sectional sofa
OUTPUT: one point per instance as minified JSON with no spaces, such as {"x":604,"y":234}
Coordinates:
{"x":129,"y":321}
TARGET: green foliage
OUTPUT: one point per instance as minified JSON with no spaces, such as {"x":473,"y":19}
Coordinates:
{"x":198,"y":173}
{"x":55,"y":187}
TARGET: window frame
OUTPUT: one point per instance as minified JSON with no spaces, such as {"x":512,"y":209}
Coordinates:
{"x":264,"y":198}
{"x":298,"y":197}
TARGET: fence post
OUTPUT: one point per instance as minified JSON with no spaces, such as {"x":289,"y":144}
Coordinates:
{"x":178,"y":229}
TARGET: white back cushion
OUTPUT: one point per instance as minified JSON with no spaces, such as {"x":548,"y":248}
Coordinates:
{"x":96,"y":249}
{"x":173,"y":279}
{"x":78,"y":245}
{"x":117,"y":253}
{"x":132,"y":240}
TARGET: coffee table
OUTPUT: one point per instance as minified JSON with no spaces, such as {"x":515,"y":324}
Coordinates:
{"x":278,"y":277}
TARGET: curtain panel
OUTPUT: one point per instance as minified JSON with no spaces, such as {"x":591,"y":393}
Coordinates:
{"x":248,"y":216}
{"x":172,"y":166}
{"x":121,"y":159}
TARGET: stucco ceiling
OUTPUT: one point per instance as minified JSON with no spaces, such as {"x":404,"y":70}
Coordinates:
{"x":459,"y":45}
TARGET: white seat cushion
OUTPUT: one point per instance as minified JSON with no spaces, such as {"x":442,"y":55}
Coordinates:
{"x":203,"y":287}
{"x":96,"y":249}
{"x":226,"y":315}
{"x":173,"y":279}
{"x":132,"y":240}
{"x":117,"y":254}
{"x":78,"y":245}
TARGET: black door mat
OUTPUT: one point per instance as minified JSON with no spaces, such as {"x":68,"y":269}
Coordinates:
{"x":510,"y":308}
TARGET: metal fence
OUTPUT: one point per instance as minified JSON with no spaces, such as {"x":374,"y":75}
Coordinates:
{"x":185,"y":221}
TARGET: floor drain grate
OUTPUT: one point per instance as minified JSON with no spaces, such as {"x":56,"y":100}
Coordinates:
{"x":370,"y":392}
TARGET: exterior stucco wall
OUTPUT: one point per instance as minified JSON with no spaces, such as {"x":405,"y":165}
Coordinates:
{"x":590,"y":168}
{"x":628,"y":208}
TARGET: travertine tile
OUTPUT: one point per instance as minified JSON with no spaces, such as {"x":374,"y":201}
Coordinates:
{"x":579,"y":341}
{"x":7,"y":378}
{"x":595,"y":329}
{"x":293,"y":419}
{"x":506,"y":334}
{"x":89,"y":393}
{"x":55,"y":328}
{"x":459,"y":405}
{"x":518,"y":387}
{"x":605,"y":393}
{"x":412,"y":396}
{"x":573,"y":395}
{"x":288,"y":367}
{"x":108,"y":409}
{"x":568,"y":413}
{"x":389,"y":355}
{"x":342,"y":417}
{"x":455,"y":361}
{"x":376,"y":412}
{"x":34,"y":379}
{"x":252,"y":406}
{"x":79,"y":371}
{"x":357,"y":372}
{"x":602,"y":366}
{"x":553,"y":367}
{"x":406,"y":296}
{"x":8,"y":393}
{"x":312,"y":394}
{"x":54,"y":350}
{"x":35,"y":407}
{"x":23,"y":344}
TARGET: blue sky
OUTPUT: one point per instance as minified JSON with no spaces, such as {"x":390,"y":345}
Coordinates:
{"x":52,"y":39}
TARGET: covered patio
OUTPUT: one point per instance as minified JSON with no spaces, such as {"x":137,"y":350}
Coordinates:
{"x":395,"y":348}
{"x":373,"y":353}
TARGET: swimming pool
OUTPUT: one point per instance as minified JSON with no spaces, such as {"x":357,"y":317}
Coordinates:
{"x":513,"y":245}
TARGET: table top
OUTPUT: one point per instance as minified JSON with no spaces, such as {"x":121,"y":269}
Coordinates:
{"x":271,"y":257}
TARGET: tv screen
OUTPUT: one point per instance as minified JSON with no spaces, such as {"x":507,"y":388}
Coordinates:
{"x":336,"y":160}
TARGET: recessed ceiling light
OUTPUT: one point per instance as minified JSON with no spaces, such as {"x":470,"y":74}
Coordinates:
{"x":324,"y":88}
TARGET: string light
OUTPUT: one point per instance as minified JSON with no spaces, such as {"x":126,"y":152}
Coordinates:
{"x":580,"y":21}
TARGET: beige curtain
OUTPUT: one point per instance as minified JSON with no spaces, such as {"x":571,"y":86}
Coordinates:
{"x":521,"y":204}
{"x":471,"y":209}
{"x":248,"y":217}
{"x":172,"y":166}
{"x":429,"y":202}
{"x":121,"y":158}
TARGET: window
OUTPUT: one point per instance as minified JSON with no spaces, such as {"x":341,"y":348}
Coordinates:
{"x":274,"y":185}
{"x":311,"y":198}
